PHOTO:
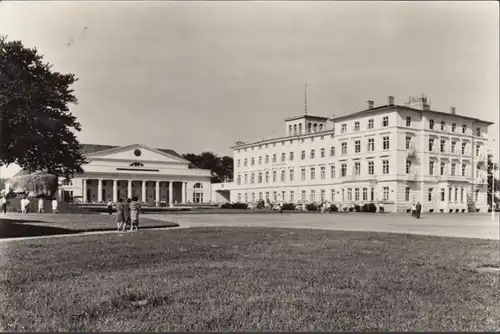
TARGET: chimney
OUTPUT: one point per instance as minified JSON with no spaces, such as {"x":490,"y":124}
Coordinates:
{"x":370,"y":104}
{"x":390,"y":100}
{"x":452,"y":110}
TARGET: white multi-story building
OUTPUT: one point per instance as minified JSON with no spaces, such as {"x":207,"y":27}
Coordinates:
{"x":392,"y":154}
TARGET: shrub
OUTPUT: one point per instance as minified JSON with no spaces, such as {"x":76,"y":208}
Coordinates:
{"x":288,"y":206}
{"x":357,"y":208}
{"x":311,"y":207}
{"x":334,"y":208}
{"x":351,"y":209}
{"x":431,"y":210}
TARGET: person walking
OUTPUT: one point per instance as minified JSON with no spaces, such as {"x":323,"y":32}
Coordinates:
{"x":135,"y":207}
{"x":419,"y":209}
{"x":3,"y":205}
{"x":110,"y":206}
{"x":414,"y":211}
{"x":126,"y":213}
{"x":54,"y":205}
{"x":40,"y":205}
{"x":24,"y":205}
{"x":119,"y":214}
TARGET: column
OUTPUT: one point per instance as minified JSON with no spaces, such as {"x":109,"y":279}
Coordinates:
{"x":157,"y":193}
{"x":143,"y":191}
{"x":84,"y":189}
{"x":99,"y":190}
{"x":129,"y":189}
{"x":184,"y":186}
{"x":115,"y":191}
{"x":171,"y":194}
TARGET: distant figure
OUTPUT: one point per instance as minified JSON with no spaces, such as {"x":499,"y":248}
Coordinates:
{"x":281,"y":207}
{"x":25,"y":202}
{"x":414,"y":211}
{"x":110,"y":206}
{"x":419,"y":209}
{"x":3,"y":205}
{"x":54,"y":205}
{"x":135,"y":207}
{"x":126,"y":214}
{"x":119,"y":214}
{"x":381,"y":207}
{"x":40,"y":205}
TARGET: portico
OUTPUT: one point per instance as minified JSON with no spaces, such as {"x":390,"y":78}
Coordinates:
{"x":157,"y":177}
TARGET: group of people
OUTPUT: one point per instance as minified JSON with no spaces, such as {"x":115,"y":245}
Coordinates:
{"x":416,"y":210}
{"x":127,"y":213}
{"x":25,"y":205}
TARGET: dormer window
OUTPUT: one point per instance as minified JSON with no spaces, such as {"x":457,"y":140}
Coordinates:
{"x":136,"y":164}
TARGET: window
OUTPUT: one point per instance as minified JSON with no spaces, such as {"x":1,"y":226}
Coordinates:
{"x":453,"y":169}
{"x":313,"y":196}
{"x":371,"y":168}
{"x":332,"y":151}
{"x":312,"y":154}
{"x":239,"y":197}
{"x":252,"y":179}
{"x":274,"y":158}
{"x":431,"y":144}
{"x":253,"y":197}
{"x":313,"y":173}
{"x":429,"y":194}
{"x":300,"y":128}
{"x":371,"y":145}
{"x":357,"y":146}
{"x":407,"y":194}
{"x":453,"y":146}
{"x":274,"y":176}
{"x":322,"y":196}
{"x":290,"y":130}
{"x":408,"y":121}
{"x":303,"y":155}
{"x":323,"y":172}
{"x":238,"y":180}
{"x":442,"y":194}
{"x":292,"y":198}
{"x":245,"y":178}
{"x":464,"y":128}
{"x":283,"y":157}
{"x":332,"y":195}
{"x":303,"y":196}
{"x":385,"y":166}
{"x":453,"y":127}
{"x":385,"y":121}
{"x":365,"y":194}
{"x":295,"y":129}
{"x":477,"y":150}
{"x":343,"y":128}
{"x":322,"y":152}
{"x":332,"y":172}
{"x":442,"y":145}
{"x":356,"y":126}
{"x":238,"y":163}
{"x":356,"y":194}
{"x":386,"y":194}
{"x":442,"y":168}
{"x":260,"y":178}
{"x":275,"y":196}
{"x":137,"y":164}
{"x":303,"y":174}
{"x":443,"y":124}
{"x":198,"y":193}
{"x":461,"y":194}
{"x":343,"y":194}
{"x":267,"y":159}
{"x":464,"y":169}
{"x":478,"y":132}
{"x":431,"y":167}
{"x":464,"y":146}
{"x":349,"y":194}
{"x":283,"y":175}
{"x":344,"y":148}
{"x":385,"y":143}
{"x":408,"y":166}
{"x":253,"y":161}
{"x":245,"y":163}
{"x":291,"y":156}
{"x":408,"y":142}
{"x":370,"y":123}
{"x":357,"y":168}
{"x":431,"y":124}
{"x":267,"y":177}
{"x":343,"y":170}
{"x":291,"y":174}
{"x":456,"y":194}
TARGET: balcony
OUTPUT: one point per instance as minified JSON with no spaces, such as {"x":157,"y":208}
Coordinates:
{"x":412,"y":176}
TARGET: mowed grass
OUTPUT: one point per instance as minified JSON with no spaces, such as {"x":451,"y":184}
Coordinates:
{"x":249,"y":279}
{"x":16,"y":225}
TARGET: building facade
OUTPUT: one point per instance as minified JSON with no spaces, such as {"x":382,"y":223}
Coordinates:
{"x":392,"y":154}
{"x":159,"y":177}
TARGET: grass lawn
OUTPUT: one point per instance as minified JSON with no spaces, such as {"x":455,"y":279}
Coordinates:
{"x":249,"y":279}
{"x":25,"y":225}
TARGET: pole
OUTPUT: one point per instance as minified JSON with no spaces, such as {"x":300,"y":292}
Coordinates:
{"x":492,"y":186}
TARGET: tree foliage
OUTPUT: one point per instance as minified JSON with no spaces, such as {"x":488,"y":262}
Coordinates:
{"x":494,"y":183}
{"x":221,"y":167}
{"x":37,"y":131}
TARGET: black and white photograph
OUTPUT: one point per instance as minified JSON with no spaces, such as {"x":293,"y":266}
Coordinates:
{"x":249,"y":166}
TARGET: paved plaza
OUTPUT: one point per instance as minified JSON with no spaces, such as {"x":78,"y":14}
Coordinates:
{"x":461,"y":225}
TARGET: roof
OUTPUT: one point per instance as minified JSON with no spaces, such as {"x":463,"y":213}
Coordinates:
{"x":320,"y":118}
{"x":91,"y":148}
{"x":387,"y":106}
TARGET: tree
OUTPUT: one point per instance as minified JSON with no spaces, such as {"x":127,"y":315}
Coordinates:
{"x":221,"y":167}
{"x":491,"y":167}
{"x":37,"y":131}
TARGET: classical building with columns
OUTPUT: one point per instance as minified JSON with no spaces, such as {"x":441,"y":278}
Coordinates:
{"x":159,"y":177}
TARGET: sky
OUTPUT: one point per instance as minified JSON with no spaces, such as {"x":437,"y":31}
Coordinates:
{"x":198,"y":76}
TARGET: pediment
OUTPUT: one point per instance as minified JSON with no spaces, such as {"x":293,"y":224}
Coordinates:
{"x":136,"y":153}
